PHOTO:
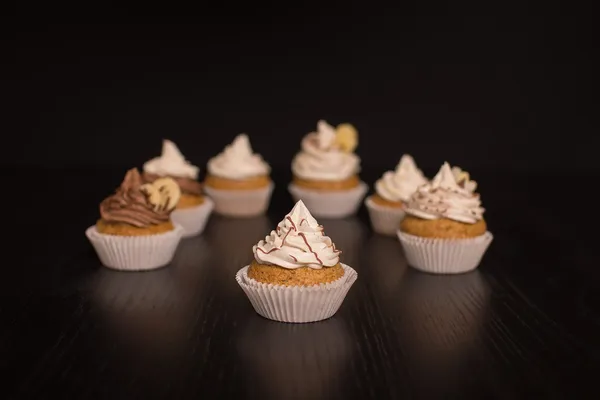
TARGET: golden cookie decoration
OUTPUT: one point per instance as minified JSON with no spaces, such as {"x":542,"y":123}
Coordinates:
{"x":163,"y":194}
{"x":463,"y":178}
{"x":346,"y":136}
{"x":152,"y":195}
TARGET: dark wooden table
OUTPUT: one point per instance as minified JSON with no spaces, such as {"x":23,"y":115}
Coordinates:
{"x":524,"y":325}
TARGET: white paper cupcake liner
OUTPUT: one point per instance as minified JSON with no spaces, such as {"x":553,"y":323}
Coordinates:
{"x":444,"y":256}
{"x":296,"y":304}
{"x":193,"y":219}
{"x":241,"y":203}
{"x":384,"y":220}
{"x":330,"y":204}
{"x":135,"y":253}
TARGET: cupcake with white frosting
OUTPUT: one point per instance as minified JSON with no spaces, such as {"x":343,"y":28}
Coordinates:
{"x":444,"y":230}
{"x":238,"y":180}
{"x":193,"y":208}
{"x":326,"y":171}
{"x":296,"y":275}
{"x":392,"y":191}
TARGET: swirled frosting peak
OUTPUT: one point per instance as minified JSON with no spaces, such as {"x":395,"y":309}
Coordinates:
{"x":171,"y":163}
{"x":322,"y":159}
{"x":238,"y":161}
{"x":325,"y":135}
{"x":130,"y":204}
{"x":400,"y":184}
{"x":444,"y":198}
{"x":297,"y":242}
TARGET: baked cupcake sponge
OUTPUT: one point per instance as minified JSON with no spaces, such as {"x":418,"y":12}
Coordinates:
{"x":256,"y":182}
{"x":346,"y":184}
{"x":377,"y":199}
{"x":123,"y":229}
{"x":442,"y":228}
{"x":304,"y":276}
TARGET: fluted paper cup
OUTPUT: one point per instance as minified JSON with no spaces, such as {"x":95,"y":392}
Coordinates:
{"x":330,"y":204}
{"x":444,"y":256}
{"x":297,"y":304}
{"x":193,"y":219}
{"x":384,"y":220}
{"x":241,"y":203}
{"x":135,"y":253}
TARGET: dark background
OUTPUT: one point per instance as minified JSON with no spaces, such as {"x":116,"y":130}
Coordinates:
{"x":508,"y":97}
{"x":503,"y":92}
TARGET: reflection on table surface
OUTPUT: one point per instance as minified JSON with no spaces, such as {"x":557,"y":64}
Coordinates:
{"x":193,"y":313}
{"x":439,"y":318}
{"x":385,"y":265}
{"x":442,"y":323}
{"x":145,"y":311}
{"x":294,"y":361}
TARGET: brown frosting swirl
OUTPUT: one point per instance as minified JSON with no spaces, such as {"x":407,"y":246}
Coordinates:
{"x":130,"y":205}
{"x":187,"y":185}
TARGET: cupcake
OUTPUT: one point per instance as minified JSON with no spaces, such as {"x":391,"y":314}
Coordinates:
{"x":238,"y":180}
{"x":444,"y":230}
{"x":392,"y":191}
{"x":296,"y":275}
{"x":193,"y":209}
{"x":135,"y":231}
{"x":326,"y":172}
{"x":463,"y":179}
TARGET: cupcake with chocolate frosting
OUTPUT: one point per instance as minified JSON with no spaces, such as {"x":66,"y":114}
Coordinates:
{"x":444,"y":230}
{"x":325,"y":171}
{"x":193,"y":209}
{"x":238,"y":180}
{"x":392,"y":192}
{"x":296,"y":275}
{"x":135,"y":231}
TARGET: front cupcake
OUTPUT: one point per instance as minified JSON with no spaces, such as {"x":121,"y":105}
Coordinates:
{"x":444,"y":230}
{"x":193,"y":209}
{"x":296,"y":275}
{"x":392,"y":191}
{"x":135,"y":231}
{"x":326,"y":172}
{"x":238,"y":180}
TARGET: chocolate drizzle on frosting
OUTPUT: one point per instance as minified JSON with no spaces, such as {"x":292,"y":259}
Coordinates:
{"x":129,"y":204}
{"x":298,"y":241}
{"x":444,"y":198}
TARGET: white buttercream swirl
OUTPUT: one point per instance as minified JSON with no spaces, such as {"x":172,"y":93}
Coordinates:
{"x":400,"y":184}
{"x":171,"y":163}
{"x":444,"y":198}
{"x":463,"y":179}
{"x":321,"y":159}
{"x":297,"y":242}
{"x":238,"y":161}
